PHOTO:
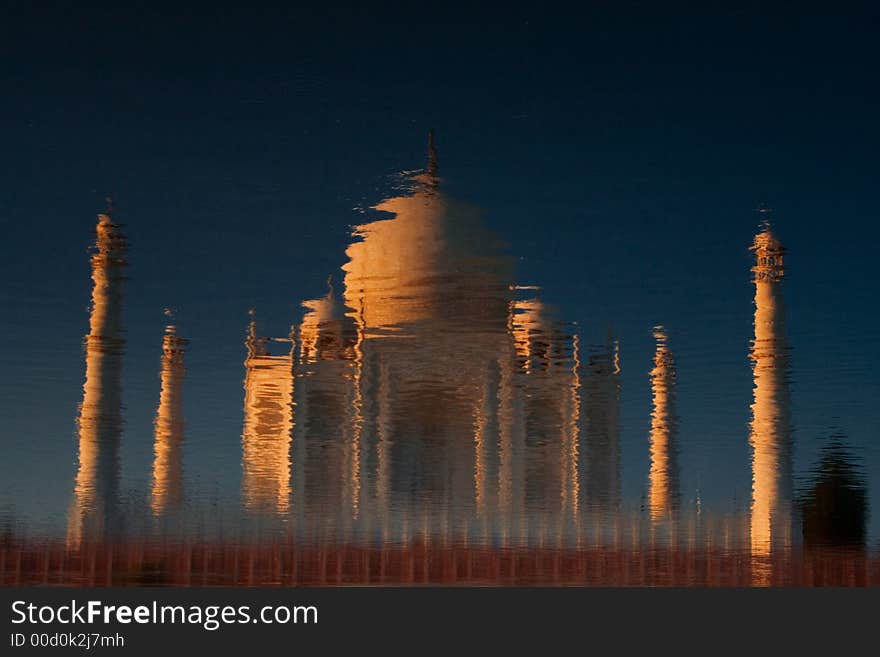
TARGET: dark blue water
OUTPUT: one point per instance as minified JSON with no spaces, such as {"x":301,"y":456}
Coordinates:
{"x":578,"y":323}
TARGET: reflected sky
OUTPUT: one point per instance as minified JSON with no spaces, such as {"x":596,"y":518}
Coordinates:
{"x":483,"y":359}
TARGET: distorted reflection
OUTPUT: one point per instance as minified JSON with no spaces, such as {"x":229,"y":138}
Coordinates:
{"x":268,"y":423}
{"x":834,"y":508}
{"x":771,"y":440}
{"x":428,"y":406}
{"x":167,"y":489}
{"x":601,"y":454}
{"x":95,"y":498}
{"x":663,"y":484}
{"x":329,"y":368}
{"x":430,"y":391}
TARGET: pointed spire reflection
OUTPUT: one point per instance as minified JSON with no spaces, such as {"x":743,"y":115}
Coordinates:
{"x":432,"y":159}
{"x":93,"y":513}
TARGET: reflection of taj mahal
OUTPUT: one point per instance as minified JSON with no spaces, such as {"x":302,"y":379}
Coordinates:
{"x":428,"y":385}
{"x":427,"y":393}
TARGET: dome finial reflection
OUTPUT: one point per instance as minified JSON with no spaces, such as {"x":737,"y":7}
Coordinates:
{"x":432,"y":158}
{"x":255,"y":344}
{"x":765,"y":212}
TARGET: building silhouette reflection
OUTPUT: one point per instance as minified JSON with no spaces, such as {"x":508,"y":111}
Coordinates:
{"x":428,"y":392}
{"x":94,"y":513}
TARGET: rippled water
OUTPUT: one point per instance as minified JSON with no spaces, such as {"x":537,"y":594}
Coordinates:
{"x":432,"y":419}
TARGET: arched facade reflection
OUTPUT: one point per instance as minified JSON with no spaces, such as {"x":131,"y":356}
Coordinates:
{"x":268,"y":426}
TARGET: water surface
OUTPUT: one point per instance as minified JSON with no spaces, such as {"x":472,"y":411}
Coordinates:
{"x":428,"y":415}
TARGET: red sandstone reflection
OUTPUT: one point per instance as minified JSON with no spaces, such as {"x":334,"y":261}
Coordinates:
{"x":286,"y":562}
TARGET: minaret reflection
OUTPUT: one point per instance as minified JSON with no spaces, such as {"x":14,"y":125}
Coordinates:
{"x":771,"y":427}
{"x":268,"y":426}
{"x":167,"y":486}
{"x":93,"y":512}
{"x":663,"y":477}
{"x":601,"y":453}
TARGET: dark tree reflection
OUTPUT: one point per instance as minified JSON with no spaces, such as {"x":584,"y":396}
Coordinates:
{"x":834,"y":506}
